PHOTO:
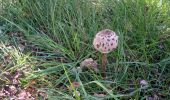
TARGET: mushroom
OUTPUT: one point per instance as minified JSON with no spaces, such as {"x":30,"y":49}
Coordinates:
{"x":89,"y":63}
{"x":105,"y":41}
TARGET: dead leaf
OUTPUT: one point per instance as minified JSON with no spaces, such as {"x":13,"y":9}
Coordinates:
{"x":143,"y":83}
{"x":24,"y":95}
{"x":99,"y":95}
{"x":13,"y":90}
{"x":75,"y":85}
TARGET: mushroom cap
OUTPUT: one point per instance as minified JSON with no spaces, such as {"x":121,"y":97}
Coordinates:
{"x":105,"y":41}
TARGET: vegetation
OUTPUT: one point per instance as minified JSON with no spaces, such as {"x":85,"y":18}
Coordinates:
{"x":46,"y":40}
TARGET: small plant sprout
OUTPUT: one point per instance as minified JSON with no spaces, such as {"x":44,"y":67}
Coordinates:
{"x":105,"y":41}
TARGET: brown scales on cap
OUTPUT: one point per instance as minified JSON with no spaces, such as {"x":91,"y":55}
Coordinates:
{"x":107,"y":38}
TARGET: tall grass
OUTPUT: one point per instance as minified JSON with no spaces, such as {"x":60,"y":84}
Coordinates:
{"x":65,"y":29}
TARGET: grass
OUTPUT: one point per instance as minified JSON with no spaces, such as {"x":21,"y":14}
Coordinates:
{"x":58,"y":35}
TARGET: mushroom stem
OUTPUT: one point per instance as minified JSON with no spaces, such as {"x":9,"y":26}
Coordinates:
{"x":104,"y":61}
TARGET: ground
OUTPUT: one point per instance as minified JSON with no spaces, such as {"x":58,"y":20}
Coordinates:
{"x":44,"y":43}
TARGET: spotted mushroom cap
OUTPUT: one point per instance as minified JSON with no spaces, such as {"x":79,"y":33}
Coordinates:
{"x":105,"y":41}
